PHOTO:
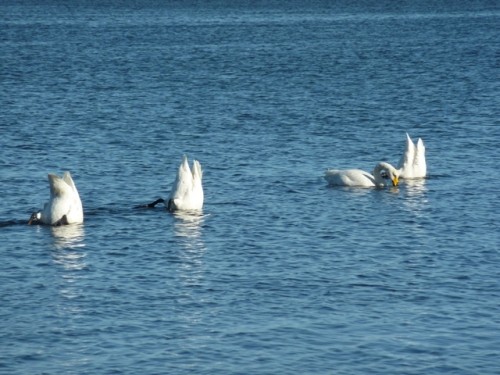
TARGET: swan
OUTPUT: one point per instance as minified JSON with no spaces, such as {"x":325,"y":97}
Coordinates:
{"x":412,"y":163}
{"x":187,"y":190}
{"x":383,"y":174}
{"x":64,"y":206}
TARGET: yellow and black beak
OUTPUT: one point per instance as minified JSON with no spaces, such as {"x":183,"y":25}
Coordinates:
{"x":395,"y":181}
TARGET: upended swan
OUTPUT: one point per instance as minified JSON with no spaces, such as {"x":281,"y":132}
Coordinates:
{"x":412,"y":164}
{"x":64,"y":206}
{"x":187,"y":190}
{"x":384,"y":174}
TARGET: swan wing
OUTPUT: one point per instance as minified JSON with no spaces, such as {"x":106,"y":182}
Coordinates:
{"x":69,"y":180}
{"x":197,"y":191}
{"x":419,"y":163}
{"x":75,"y":214}
{"x":406,"y":162}
{"x":197,"y":171}
{"x":349,"y":177}
{"x":183,"y":180}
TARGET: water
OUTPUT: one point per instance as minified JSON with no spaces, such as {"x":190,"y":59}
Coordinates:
{"x":280,"y":273}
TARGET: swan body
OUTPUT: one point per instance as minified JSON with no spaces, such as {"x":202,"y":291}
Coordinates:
{"x":187,"y":190}
{"x":64,"y":206}
{"x":412,"y":164}
{"x":384,"y":174}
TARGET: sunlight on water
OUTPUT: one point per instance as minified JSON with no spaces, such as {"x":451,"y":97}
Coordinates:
{"x":188,"y":226}
{"x":416,"y":196}
{"x":70,"y":255}
{"x":69,"y":236}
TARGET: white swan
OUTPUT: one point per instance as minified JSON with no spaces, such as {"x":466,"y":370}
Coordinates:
{"x":412,"y":163}
{"x":383,"y":175}
{"x":64,"y":206}
{"x":187,"y":190}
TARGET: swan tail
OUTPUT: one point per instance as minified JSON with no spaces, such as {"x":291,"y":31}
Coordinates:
{"x":68,"y":179}
{"x":184,"y":169}
{"x":197,"y":171}
{"x":420,"y":145}
{"x":58,"y":187}
{"x":420,"y":163}
{"x":408,"y":155}
{"x":77,"y":210}
{"x":420,"y":152}
{"x":182,"y":180}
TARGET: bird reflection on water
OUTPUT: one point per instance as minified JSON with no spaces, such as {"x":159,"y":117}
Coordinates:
{"x":416,"y":199}
{"x":188,"y":224}
{"x":416,"y":207}
{"x":68,"y":236}
{"x":69,"y":255}
{"x":188,"y":228}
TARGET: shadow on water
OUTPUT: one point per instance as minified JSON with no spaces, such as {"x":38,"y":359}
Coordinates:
{"x":190,"y":220}
{"x":10,"y":223}
{"x":363,"y":191}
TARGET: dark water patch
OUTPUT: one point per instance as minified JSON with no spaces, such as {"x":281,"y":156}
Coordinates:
{"x":9,"y":223}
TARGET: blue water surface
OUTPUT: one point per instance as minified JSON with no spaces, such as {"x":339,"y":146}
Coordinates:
{"x":280,"y":274}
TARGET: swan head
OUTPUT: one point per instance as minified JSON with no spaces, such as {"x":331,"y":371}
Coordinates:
{"x":395,"y":180}
{"x":387,"y":172}
{"x":393,"y":176}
